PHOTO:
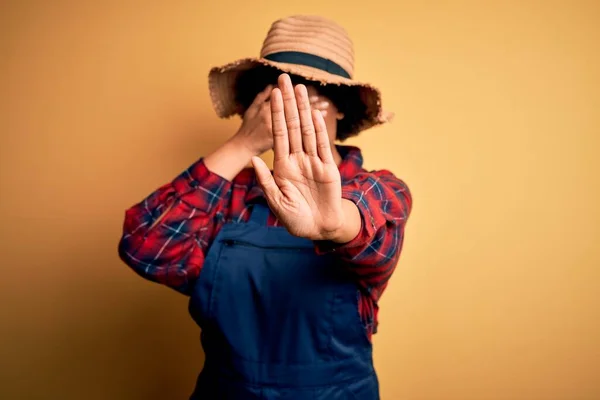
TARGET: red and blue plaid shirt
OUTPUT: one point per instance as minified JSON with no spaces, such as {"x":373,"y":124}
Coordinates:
{"x":172,"y":250}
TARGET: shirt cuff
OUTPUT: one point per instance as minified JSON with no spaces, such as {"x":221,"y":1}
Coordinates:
{"x":362,"y":239}
{"x":200,"y":187}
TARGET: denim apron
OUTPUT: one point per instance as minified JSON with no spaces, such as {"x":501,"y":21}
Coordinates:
{"x":278,"y":321}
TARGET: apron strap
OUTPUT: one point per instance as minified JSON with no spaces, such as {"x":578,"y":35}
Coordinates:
{"x":260,"y":213}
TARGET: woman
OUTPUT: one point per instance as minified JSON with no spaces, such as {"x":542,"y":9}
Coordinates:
{"x":284,"y":269}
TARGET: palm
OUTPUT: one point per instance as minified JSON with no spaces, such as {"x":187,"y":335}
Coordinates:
{"x":311,"y":194}
{"x":305,"y":188}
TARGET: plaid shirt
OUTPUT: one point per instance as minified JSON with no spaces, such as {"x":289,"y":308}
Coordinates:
{"x":172,"y":251}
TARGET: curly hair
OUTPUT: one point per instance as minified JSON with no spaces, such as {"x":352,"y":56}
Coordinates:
{"x":346,"y":98}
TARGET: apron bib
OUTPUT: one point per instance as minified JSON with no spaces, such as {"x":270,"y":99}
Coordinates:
{"x":277,"y":320}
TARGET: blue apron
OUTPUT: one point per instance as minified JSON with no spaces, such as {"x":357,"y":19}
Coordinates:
{"x":278,"y":321}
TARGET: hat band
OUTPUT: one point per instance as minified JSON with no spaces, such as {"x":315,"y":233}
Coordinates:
{"x":309,"y":60}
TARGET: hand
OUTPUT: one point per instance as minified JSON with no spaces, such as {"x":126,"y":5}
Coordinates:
{"x":255,"y":133}
{"x":305,"y":190}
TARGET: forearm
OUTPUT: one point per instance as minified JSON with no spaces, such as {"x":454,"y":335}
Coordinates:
{"x":226,"y":161}
{"x":166,"y":235}
{"x":229,"y":159}
{"x":196,"y":188}
{"x":384,"y":204}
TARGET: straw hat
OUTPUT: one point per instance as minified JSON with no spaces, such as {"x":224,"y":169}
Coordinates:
{"x":311,"y":47}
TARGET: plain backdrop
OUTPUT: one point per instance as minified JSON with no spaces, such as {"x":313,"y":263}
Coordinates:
{"x":497,"y":133}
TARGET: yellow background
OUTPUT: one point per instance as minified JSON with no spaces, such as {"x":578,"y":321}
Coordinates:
{"x":497,"y":134}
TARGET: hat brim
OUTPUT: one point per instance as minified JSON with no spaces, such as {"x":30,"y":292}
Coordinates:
{"x":222,"y":82}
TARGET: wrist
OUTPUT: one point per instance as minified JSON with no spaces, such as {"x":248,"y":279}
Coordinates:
{"x":350,"y":225}
{"x":229,"y":159}
{"x":243,"y":145}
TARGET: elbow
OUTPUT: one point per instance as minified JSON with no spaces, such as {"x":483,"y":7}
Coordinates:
{"x":128,"y":247}
{"x":125,"y":251}
{"x":136,"y":252}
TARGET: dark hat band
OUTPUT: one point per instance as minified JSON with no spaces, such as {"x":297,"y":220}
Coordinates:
{"x":309,"y":60}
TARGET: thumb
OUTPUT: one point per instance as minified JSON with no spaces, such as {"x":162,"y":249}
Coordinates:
{"x":265,"y":179}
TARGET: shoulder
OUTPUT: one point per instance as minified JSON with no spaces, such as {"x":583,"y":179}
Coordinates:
{"x":375,"y":184}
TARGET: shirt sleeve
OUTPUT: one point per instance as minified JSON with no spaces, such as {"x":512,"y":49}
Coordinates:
{"x":166,"y":236}
{"x":384,"y":203}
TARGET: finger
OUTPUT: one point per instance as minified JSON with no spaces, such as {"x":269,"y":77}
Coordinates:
{"x":309,"y":141}
{"x":260,"y":98}
{"x":281,"y":145}
{"x":323,"y":146}
{"x":265,"y":180}
{"x":291,"y":113}
{"x":265,"y":110}
{"x":263,"y":96}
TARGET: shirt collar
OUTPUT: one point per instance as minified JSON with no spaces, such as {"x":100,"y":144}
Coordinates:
{"x":351,"y":165}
